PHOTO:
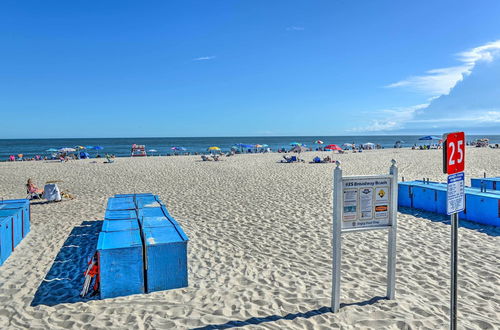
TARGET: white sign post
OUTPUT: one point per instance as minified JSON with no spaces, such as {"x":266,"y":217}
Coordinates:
{"x":362,"y":203}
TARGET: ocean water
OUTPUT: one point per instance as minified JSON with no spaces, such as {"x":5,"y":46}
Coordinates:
{"x":121,"y":146}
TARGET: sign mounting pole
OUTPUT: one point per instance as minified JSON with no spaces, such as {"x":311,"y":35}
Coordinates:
{"x":336,"y":242}
{"x":454,"y":165}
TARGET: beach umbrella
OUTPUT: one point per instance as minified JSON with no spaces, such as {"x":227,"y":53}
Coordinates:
{"x":318,"y":142}
{"x":298,"y":149}
{"x":98,"y":148}
{"x":79,"y":147}
{"x":368,"y":145}
{"x":213,"y":149}
{"x":333,"y":147}
{"x":67,"y":150}
{"x":295,"y":144}
{"x":265,"y":145}
{"x":89,"y":147}
{"x":178,"y":148}
{"x":258,"y":146}
{"x":51,"y":150}
{"x":429,"y":138}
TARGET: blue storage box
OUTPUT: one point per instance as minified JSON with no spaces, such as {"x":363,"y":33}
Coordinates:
{"x":121,"y":203}
{"x":120,"y":225}
{"x":133,"y":195}
{"x":488,"y":183}
{"x":165,"y":258}
{"x":155,"y":222}
{"x":120,"y":215}
{"x":6,"y":246}
{"x":120,"y":263}
{"x":424,"y":198}
{"x":483,"y":208}
{"x":16,"y":224}
{"x":24,"y":206}
{"x":405,"y":194}
{"x":147,"y":201}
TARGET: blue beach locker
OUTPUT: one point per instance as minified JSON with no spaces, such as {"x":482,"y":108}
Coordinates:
{"x":489,"y":183}
{"x":483,"y":208}
{"x":120,"y":225}
{"x":147,"y":201}
{"x":23,"y":205}
{"x":120,"y":263}
{"x":123,"y":203}
{"x":6,"y":245}
{"x":165,"y":258}
{"x":16,"y":224}
{"x":148,"y":222}
{"x":405,"y":194}
{"x":424,"y":198}
{"x":133,"y":195}
{"x":120,"y":215}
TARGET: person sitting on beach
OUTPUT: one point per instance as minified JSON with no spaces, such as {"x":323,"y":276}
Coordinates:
{"x":32,"y":188}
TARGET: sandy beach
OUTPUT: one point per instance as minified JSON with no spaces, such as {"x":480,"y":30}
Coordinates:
{"x":260,"y":247}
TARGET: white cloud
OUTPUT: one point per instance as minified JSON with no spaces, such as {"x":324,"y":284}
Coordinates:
{"x":440,"y":81}
{"x":204,"y":58}
{"x":392,"y":119}
{"x":295,"y":28}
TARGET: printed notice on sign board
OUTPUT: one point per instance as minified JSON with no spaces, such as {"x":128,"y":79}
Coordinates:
{"x":350,"y":204}
{"x":366,"y":201}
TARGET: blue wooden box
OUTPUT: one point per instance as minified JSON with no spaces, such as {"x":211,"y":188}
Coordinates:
{"x":120,"y":215}
{"x":24,"y":206}
{"x":133,"y":195}
{"x":6,"y":246}
{"x":120,"y":203}
{"x":405,"y":194}
{"x":16,"y":224}
{"x":482,"y":208}
{"x":488,"y":183}
{"x":147,"y":201}
{"x":120,"y":263}
{"x":120,"y":225}
{"x":148,"y":222}
{"x":165,"y":257}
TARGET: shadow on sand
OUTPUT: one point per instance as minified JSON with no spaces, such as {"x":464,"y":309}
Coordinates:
{"x":64,"y":281}
{"x":273,"y":318}
{"x":435,"y":217}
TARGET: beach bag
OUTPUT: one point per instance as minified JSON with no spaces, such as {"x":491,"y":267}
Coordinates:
{"x":51,"y":192}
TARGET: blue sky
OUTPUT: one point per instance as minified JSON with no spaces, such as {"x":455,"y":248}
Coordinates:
{"x":244,"y":68}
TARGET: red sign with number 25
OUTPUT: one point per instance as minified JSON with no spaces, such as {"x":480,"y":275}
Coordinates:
{"x":454,"y":152}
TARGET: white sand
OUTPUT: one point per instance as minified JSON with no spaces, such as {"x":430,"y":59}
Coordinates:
{"x":260,"y":247}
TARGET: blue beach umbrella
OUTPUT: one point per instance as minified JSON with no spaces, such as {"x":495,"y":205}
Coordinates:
{"x":295,"y":144}
{"x":89,"y":147}
{"x":98,"y":148}
{"x":429,"y":138}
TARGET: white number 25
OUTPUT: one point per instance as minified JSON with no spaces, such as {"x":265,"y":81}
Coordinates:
{"x":460,"y":152}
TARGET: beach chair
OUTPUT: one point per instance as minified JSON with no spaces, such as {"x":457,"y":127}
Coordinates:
{"x":109,"y":160}
{"x":33,"y":195}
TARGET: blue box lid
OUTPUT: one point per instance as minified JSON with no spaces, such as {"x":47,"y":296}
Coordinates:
{"x":155,"y":222}
{"x":163,"y":235}
{"x":8,"y":213}
{"x":151,"y":212}
{"x":119,"y":215}
{"x":148,"y":201}
{"x":119,"y":240}
{"x":133,"y":195}
{"x":8,"y":201}
{"x":125,"y":203}
{"x":119,"y":225}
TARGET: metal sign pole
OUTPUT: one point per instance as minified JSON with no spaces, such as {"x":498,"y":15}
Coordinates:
{"x":454,"y":266}
{"x":391,"y":243}
{"x":336,"y":240}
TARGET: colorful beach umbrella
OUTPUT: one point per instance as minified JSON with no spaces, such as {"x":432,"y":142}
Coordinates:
{"x":318,"y":142}
{"x":333,"y":147}
{"x":258,"y":146}
{"x":178,"y":148}
{"x":67,"y":150}
{"x":213,"y":148}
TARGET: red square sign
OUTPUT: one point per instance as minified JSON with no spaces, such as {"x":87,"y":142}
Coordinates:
{"x":454,"y":152}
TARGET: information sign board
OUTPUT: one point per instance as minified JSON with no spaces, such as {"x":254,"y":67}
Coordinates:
{"x":455,"y":193}
{"x":366,"y":201}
